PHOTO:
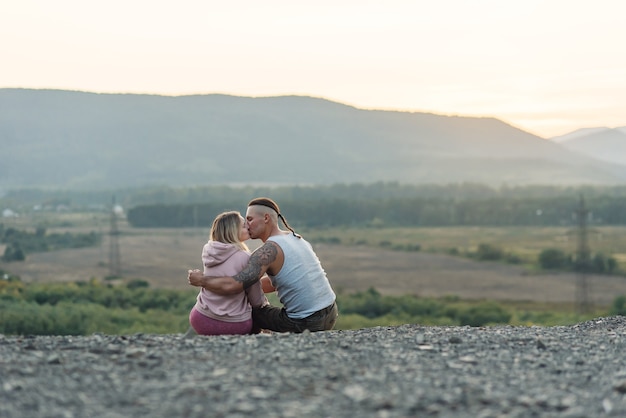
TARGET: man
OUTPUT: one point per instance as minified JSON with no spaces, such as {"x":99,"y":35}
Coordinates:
{"x":294,"y":270}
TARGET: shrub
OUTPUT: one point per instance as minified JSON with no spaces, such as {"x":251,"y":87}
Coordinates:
{"x":488,"y":252}
{"x":619,"y":305}
{"x":371,"y":304}
{"x":603,"y":264}
{"x":13,"y":252}
{"x":137,"y":283}
{"x":553,"y":258}
{"x":484,"y":314}
{"x":30,"y":318}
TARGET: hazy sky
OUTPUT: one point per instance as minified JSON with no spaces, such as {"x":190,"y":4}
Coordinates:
{"x":546,"y":66}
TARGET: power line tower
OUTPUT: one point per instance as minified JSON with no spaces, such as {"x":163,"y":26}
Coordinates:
{"x":583,"y":259}
{"x":115,"y":269}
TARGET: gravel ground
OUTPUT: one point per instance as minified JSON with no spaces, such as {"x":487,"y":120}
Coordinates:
{"x":404,"y":371}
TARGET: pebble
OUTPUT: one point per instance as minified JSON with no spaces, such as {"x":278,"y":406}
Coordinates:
{"x":382,"y":372}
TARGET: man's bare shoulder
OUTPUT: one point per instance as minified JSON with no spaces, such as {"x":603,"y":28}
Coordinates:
{"x":266,"y":253}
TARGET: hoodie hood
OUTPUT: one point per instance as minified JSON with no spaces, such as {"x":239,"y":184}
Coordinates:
{"x":215,"y":253}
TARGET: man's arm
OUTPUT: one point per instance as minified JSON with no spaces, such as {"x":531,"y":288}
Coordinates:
{"x":219,"y":285}
{"x":257,"y":266}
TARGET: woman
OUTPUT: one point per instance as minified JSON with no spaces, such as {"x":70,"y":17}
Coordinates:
{"x":226,"y":254}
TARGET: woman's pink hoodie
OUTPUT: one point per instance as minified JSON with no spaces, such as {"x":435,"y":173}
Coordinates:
{"x":222,"y":260}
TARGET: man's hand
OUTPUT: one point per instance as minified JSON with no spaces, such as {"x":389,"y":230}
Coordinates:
{"x":194,"y":277}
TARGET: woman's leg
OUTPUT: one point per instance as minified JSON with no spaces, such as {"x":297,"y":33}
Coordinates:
{"x":204,"y":325}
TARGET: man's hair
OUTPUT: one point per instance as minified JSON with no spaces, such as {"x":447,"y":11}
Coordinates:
{"x":269,"y":203}
{"x":226,"y":228}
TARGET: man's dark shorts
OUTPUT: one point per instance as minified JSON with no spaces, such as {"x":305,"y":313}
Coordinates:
{"x":275,"y":319}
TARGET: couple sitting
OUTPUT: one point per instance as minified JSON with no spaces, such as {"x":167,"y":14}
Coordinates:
{"x":234,"y":282}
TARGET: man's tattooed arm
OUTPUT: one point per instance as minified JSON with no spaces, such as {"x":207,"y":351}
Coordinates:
{"x":258,"y":264}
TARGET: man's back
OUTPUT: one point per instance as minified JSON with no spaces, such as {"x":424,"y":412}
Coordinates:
{"x":301,"y":283}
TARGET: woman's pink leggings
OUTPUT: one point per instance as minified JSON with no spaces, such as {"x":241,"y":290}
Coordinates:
{"x":204,"y":325}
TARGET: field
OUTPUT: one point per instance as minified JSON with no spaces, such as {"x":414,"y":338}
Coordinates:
{"x":163,"y":256}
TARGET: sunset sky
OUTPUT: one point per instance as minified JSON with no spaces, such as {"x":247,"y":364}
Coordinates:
{"x":546,"y":66}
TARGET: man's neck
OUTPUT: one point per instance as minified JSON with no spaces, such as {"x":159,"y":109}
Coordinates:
{"x":274,"y":232}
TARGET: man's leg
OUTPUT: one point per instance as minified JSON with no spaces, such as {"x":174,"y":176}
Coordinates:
{"x":323,"y":320}
{"x":274,"y":319}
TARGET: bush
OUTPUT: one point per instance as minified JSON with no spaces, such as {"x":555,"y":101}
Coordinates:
{"x":619,"y":306}
{"x":13,"y":252}
{"x":371,"y":304}
{"x":487,"y":252}
{"x":19,"y":317}
{"x":484,"y":314}
{"x":137,"y":283}
{"x":553,"y":258}
{"x":603,"y":264}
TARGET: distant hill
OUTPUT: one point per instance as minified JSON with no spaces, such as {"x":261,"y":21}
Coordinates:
{"x":79,"y":140}
{"x":604,"y":144}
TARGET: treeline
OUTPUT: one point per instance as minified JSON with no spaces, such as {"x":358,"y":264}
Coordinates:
{"x":376,"y":204}
{"x":555,"y":210}
{"x":83,"y":308}
{"x":236,"y":197}
{"x":22,"y":242}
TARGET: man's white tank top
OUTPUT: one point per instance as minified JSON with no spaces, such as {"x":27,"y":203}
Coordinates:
{"x":301,"y":283}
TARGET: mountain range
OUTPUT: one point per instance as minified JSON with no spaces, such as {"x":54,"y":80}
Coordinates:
{"x":80,"y":140}
{"x":604,"y":144}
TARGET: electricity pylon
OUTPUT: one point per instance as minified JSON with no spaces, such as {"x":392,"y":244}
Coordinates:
{"x":115,"y":269}
{"x":583,"y":259}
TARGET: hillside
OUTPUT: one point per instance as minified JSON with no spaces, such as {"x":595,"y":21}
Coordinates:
{"x":604,"y":144}
{"x":77,"y":140}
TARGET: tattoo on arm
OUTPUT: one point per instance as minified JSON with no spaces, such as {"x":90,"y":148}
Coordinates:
{"x":257,"y":265}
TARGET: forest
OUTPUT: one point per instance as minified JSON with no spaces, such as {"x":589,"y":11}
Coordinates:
{"x":355,"y":205}
{"x":236,"y":197}
{"x":403,"y":211}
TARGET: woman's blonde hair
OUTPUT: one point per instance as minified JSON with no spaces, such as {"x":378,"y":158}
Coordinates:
{"x":226,"y":228}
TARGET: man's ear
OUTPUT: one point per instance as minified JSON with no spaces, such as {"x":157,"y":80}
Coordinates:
{"x":266,"y":218}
